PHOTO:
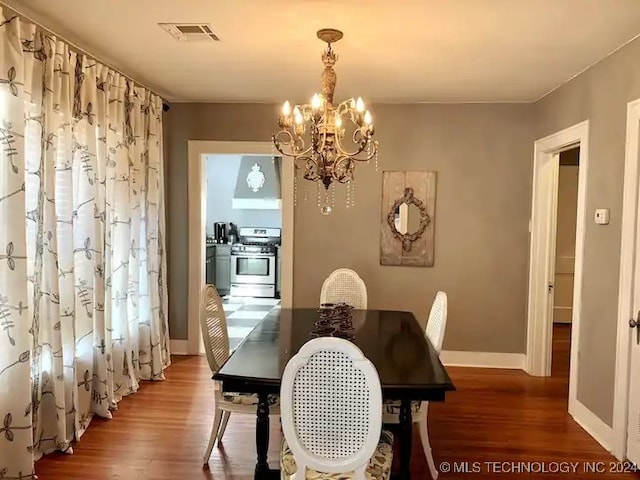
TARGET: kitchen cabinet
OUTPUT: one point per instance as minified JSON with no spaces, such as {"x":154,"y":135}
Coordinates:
{"x":218,"y":267}
{"x":210,"y":266}
{"x":223,"y":269}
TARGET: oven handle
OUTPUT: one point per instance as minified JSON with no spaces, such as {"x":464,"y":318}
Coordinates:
{"x":253,"y":255}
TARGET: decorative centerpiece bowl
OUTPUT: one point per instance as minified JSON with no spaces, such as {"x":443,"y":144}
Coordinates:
{"x":335,"y":320}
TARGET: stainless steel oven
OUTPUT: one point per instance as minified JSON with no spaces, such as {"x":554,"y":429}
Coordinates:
{"x":254,"y":263}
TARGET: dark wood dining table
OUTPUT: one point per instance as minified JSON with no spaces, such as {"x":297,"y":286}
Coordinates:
{"x":407,"y":363}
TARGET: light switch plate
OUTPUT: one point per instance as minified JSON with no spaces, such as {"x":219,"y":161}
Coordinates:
{"x":602,"y":216}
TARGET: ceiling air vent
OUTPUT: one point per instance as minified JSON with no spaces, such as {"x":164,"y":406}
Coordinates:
{"x":190,"y":32}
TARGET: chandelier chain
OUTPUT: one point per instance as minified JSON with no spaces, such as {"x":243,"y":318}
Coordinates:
{"x":295,"y":190}
{"x":353,"y":193}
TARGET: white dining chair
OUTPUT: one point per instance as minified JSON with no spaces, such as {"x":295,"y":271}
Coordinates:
{"x":330,"y":402}
{"x":434,"y":331}
{"x":213,"y":324}
{"x":344,"y":286}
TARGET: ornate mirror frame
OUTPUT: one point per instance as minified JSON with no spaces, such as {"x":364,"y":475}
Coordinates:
{"x":416,"y":189}
{"x":407,"y":239}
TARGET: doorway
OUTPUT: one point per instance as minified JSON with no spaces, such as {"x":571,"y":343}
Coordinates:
{"x":564,"y":270}
{"x":198,"y":152}
{"x":244,"y":232}
{"x":544,"y":253}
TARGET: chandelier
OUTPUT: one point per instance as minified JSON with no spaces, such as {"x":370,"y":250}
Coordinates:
{"x":326,"y":140}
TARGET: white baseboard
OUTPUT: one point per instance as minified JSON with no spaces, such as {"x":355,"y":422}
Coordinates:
{"x":589,"y":421}
{"x":453,"y":358}
{"x":178,"y":347}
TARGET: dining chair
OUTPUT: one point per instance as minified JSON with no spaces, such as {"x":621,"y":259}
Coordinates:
{"x":344,"y":286}
{"x":213,"y":324}
{"x":330,"y":412}
{"x":434,"y":331}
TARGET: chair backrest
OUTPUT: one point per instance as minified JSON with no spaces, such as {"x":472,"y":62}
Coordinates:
{"x":330,"y":403}
{"x":344,"y":286}
{"x":213,"y":324}
{"x":437,"y":321}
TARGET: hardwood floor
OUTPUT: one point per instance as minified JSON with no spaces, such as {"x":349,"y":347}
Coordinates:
{"x":561,"y":351}
{"x":494,"y":416}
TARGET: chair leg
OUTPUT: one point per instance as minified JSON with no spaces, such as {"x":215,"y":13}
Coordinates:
{"x":214,"y":433}
{"x":424,"y":436}
{"x":223,"y":427}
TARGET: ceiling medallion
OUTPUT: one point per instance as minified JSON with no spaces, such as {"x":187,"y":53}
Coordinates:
{"x":314,"y":134}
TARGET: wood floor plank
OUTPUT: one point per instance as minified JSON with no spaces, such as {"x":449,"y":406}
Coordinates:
{"x":160,"y":432}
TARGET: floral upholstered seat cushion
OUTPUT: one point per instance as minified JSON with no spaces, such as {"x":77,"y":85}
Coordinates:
{"x":379,"y":465}
{"x":248,"y":399}
{"x":392,"y":407}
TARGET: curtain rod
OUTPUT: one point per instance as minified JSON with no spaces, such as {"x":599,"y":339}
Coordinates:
{"x":165,"y":105}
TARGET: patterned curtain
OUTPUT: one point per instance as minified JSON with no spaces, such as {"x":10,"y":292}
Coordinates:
{"x":82,"y":267}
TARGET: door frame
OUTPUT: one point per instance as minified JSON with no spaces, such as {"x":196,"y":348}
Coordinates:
{"x":626,"y":284}
{"x":542,"y":248}
{"x":197,"y":193}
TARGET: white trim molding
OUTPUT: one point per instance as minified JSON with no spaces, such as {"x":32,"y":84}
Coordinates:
{"x":197,"y":149}
{"x":178,"y":347}
{"x":542,"y":258}
{"x":595,"y":427}
{"x":454,"y":358}
{"x":539,"y":325}
{"x":626,"y":285}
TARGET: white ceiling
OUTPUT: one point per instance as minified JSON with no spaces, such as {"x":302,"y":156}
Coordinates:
{"x":393,"y":51}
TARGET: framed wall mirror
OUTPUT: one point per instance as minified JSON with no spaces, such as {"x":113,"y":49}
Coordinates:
{"x":408,"y":218}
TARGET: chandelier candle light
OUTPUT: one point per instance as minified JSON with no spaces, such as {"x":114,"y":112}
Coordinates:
{"x":313,"y":134}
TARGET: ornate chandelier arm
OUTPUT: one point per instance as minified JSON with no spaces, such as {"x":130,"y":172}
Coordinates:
{"x":343,"y":173}
{"x":318,"y":137}
{"x":346,"y":105}
{"x":327,"y":125}
{"x":284,"y":138}
{"x":362,"y":141}
{"x":311,"y":167}
{"x":350,"y":108}
{"x":296,"y":120}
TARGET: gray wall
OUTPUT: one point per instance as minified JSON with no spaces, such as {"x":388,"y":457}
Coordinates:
{"x":483,"y":156}
{"x":197,"y":122}
{"x":599,"y":95}
{"x":222,"y":172}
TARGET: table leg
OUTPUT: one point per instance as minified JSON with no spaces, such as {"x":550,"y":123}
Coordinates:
{"x":262,"y":436}
{"x":406,"y":422}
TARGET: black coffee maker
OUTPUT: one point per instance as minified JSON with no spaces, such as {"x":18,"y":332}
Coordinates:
{"x":220,"y":232}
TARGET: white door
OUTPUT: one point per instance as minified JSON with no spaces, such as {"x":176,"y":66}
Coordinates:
{"x":627,"y":390}
{"x":633,"y":438}
{"x":551,"y":172}
{"x":628,"y":328}
{"x":543,"y":258}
